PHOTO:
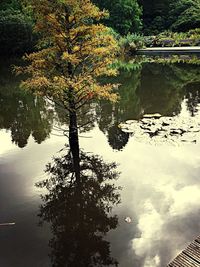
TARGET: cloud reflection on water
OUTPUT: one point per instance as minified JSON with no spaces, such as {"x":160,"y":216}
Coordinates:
{"x":161,"y":192}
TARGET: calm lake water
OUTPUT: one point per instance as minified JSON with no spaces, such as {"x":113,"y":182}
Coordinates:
{"x":160,"y":181}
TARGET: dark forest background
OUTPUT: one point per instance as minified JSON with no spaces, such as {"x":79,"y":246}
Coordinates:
{"x":143,"y":17}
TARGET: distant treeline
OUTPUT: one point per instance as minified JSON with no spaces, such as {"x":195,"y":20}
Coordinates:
{"x":147,"y":17}
{"x":174,"y":15}
{"x":16,"y":28}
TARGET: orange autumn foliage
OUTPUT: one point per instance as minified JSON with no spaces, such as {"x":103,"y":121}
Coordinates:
{"x":73,"y":52}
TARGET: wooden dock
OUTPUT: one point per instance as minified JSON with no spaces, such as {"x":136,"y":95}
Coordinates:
{"x":190,"y":257}
{"x":169,"y":51}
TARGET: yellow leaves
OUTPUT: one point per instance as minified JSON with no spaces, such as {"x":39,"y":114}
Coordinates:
{"x":72,"y":58}
{"x":39,"y":84}
{"x":100,"y":50}
{"x":65,"y":56}
{"x":105,"y":91}
{"x":39,"y":63}
{"x":78,"y":53}
{"x":55,"y":79}
{"x":76,"y":48}
{"x":18,"y":70}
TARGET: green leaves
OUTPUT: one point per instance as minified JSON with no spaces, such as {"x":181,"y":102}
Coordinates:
{"x":185,"y":15}
{"x":125,"y":15}
{"x":15,"y":29}
{"x":176,"y":15}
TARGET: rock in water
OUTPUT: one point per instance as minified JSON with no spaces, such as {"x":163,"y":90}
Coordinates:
{"x":128,"y":219}
{"x":152,"y":116}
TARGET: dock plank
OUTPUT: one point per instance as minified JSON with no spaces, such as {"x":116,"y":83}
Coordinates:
{"x":169,"y":50}
{"x":190,"y":257}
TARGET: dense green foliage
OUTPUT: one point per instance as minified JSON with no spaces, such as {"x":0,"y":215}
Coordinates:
{"x":175,"y":15}
{"x":10,"y":4}
{"x":169,"y":38}
{"x":15,"y":28}
{"x":184,"y":15}
{"x":15,"y":32}
{"x":132,"y":19}
{"x":131,"y":42}
{"x":125,"y":15}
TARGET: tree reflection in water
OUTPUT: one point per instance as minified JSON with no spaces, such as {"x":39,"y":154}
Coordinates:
{"x":193,"y":97}
{"x":117,"y":139}
{"x":21,"y":112}
{"x":152,"y":88}
{"x":78,"y":207}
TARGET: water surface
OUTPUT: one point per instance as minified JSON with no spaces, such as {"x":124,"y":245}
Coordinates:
{"x":160,"y":182}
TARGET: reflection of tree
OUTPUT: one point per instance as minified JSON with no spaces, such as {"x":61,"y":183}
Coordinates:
{"x":22,"y":113}
{"x":85,"y":117}
{"x":78,"y":205}
{"x":117,"y":138}
{"x":128,"y":105}
{"x":159,"y":92}
{"x":193,"y":97}
{"x":156,"y":88}
{"x":161,"y":89}
{"x":110,"y":115}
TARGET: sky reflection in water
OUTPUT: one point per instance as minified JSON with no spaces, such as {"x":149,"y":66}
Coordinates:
{"x":161,"y":184}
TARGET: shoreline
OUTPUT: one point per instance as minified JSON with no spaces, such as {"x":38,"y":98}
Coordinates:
{"x":169,"y":50}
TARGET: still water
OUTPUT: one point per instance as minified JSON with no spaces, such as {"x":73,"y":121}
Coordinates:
{"x":156,"y":185}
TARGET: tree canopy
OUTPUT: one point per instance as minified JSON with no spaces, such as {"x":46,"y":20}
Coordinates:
{"x":176,"y":15}
{"x":125,"y":15}
{"x":15,"y":28}
{"x":184,"y":15}
{"x":10,"y":4}
{"x":74,"y":51}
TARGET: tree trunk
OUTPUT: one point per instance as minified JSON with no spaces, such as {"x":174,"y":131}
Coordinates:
{"x":74,"y":140}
